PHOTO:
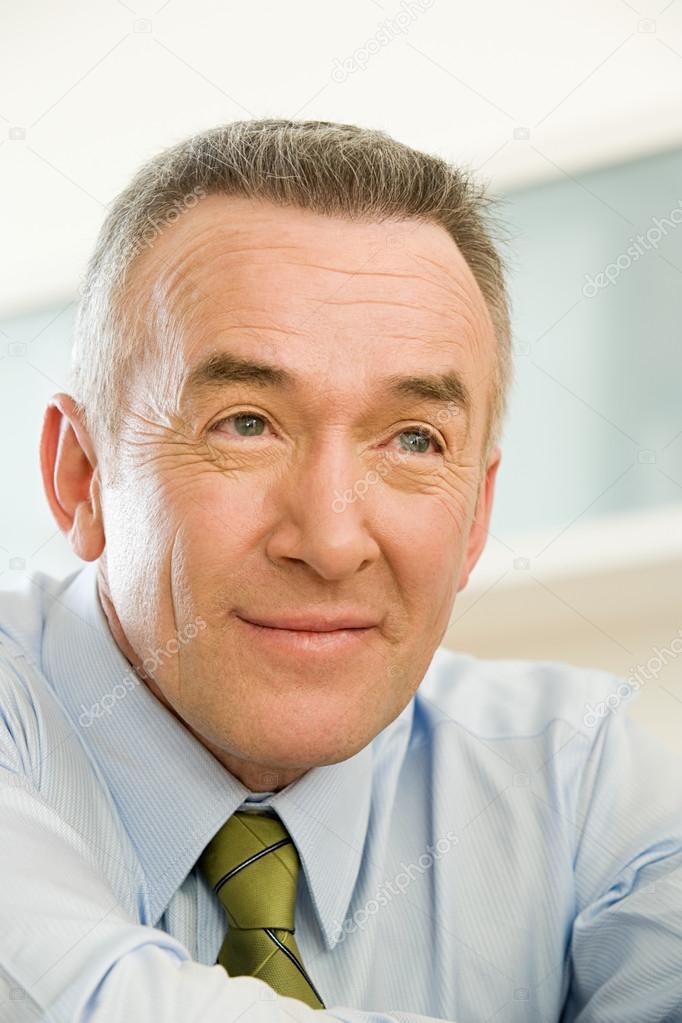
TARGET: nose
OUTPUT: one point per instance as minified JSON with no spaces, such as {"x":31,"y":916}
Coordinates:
{"x":325,"y":513}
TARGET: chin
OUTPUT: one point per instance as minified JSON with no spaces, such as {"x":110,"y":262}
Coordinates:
{"x":306,"y":753}
{"x":295,"y":732}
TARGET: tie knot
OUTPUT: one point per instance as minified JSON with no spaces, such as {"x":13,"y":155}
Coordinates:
{"x":252,"y":865}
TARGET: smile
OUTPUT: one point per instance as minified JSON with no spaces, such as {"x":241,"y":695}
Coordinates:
{"x":302,"y":641}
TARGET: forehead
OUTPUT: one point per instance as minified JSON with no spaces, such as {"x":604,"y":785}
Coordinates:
{"x":311,"y":287}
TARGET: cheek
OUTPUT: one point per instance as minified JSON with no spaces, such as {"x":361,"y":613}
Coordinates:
{"x":188,"y":493}
{"x":217,"y":524}
{"x":428,"y":546}
{"x":430,"y":529}
{"x":136,"y":536}
{"x":221,"y":513}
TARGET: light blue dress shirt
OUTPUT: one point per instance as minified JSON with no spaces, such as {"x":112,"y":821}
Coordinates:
{"x":498,"y":853}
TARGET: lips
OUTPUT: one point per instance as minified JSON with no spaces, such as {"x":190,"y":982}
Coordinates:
{"x":305,"y":643}
{"x":312,"y":623}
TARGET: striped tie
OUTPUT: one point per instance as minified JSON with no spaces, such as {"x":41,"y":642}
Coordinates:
{"x":252,"y":865}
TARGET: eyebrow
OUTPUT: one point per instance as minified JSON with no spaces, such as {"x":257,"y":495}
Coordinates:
{"x":224,"y":368}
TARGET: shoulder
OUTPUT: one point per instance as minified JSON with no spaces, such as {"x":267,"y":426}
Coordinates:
{"x":512,"y":698}
{"x":33,"y":726}
{"x":24,"y":605}
{"x":64,"y":793}
{"x":554,"y":729}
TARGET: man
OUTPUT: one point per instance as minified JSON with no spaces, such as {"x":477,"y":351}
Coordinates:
{"x":240,"y":777}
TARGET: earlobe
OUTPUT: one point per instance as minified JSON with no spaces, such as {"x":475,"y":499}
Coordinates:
{"x":71,"y":478}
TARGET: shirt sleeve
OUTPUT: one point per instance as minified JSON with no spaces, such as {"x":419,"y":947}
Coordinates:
{"x":70,"y":953}
{"x":626,"y":942}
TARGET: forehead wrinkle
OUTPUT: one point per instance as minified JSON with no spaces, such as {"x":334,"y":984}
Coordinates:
{"x":162,"y":284}
{"x":462,"y":305}
{"x":374,"y":301}
{"x":177,"y":274}
{"x":183,"y":275}
{"x":178,"y":289}
{"x":458,"y":263}
{"x":361,"y":272}
{"x":188,"y":264}
{"x":199,"y":319}
{"x":182,"y":271}
{"x":462,"y":284}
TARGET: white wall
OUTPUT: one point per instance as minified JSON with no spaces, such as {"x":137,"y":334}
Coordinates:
{"x":521,"y":91}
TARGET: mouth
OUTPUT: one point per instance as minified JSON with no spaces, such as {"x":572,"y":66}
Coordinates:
{"x":308,"y":641}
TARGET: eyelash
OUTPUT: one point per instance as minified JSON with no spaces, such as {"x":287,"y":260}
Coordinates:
{"x":423,"y":430}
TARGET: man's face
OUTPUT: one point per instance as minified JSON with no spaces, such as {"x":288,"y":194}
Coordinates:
{"x":254,"y":499}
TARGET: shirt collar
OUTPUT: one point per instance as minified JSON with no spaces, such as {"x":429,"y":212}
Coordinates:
{"x":171,"y":793}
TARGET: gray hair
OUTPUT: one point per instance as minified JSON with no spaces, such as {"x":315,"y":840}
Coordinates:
{"x":329,"y":168}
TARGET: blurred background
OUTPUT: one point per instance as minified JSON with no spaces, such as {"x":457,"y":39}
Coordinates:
{"x":572,"y":112}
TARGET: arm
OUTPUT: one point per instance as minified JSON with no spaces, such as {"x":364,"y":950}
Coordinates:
{"x":626,"y":944}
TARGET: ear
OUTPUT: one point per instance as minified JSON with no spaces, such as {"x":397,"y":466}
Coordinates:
{"x":478,"y":532}
{"x":68,"y":465}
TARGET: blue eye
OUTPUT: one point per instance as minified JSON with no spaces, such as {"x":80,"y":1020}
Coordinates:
{"x":253,"y":427}
{"x":249,"y":418}
{"x":422,"y":435}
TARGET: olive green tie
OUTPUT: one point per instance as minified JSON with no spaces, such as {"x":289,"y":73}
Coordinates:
{"x":252,"y":865}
